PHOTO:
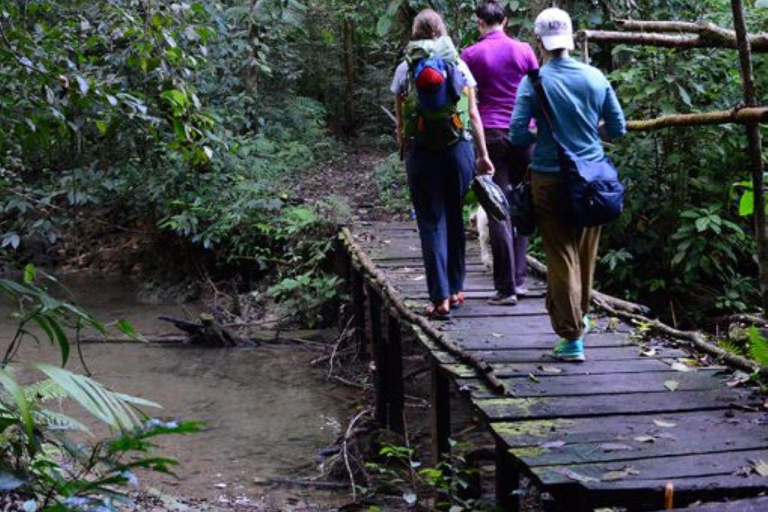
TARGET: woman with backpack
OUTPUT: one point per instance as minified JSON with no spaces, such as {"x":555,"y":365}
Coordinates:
{"x":435,"y":106}
{"x":579,"y":97}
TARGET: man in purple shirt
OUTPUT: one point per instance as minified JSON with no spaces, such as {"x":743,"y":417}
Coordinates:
{"x":498,"y":64}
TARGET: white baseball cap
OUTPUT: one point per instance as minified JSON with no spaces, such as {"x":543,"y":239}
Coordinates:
{"x":555,"y":29}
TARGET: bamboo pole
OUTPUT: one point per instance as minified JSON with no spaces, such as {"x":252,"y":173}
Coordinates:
{"x":681,"y":41}
{"x":749,"y":115}
{"x":754,"y":148}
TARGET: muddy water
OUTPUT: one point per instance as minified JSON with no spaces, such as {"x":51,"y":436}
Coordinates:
{"x":266,"y":411}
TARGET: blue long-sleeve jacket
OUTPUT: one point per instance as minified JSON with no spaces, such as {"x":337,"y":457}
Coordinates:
{"x":580,"y":97}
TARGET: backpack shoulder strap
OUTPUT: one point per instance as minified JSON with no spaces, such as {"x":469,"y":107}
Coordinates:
{"x":546,"y":108}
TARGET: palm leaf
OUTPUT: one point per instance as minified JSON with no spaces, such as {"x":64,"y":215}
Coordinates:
{"x":115,"y":409}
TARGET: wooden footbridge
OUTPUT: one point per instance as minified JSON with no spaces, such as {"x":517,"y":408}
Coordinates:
{"x":621,"y":429}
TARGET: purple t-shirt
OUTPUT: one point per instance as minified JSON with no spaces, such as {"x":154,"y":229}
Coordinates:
{"x":498,"y":63}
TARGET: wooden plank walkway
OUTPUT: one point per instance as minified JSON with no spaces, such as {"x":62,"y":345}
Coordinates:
{"x":608,"y":432}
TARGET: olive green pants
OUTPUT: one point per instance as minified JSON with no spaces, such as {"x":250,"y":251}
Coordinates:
{"x":571,"y":258}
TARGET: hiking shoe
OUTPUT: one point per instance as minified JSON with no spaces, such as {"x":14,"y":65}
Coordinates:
{"x":569,"y":350}
{"x":521,"y":291}
{"x":503,"y":299}
{"x":587,"y":325}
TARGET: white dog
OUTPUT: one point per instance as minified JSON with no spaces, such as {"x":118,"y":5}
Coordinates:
{"x":484,"y":238}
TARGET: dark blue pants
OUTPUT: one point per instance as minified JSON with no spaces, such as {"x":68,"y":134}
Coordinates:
{"x":438,"y":182}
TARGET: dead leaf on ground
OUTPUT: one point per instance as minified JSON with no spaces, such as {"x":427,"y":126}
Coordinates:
{"x":620,"y":474}
{"x":681,"y":367}
{"x":533,"y":378}
{"x":760,"y":467}
{"x":648,"y":352}
{"x":497,"y":335}
{"x":738,"y":379}
{"x":664,"y":424}
{"x":575,"y":476}
{"x":645,"y":439}
{"x":551,"y":369}
{"x":672,"y":385}
{"x":419,"y":278}
{"x":553,"y":444}
{"x":615,"y":447}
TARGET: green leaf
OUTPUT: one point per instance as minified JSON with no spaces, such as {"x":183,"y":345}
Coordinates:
{"x":23,"y":406}
{"x":747,"y":204}
{"x":671,"y":385}
{"x":114,"y":409}
{"x":61,"y":339}
{"x":29,"y":273}
{"x":176,"y":97}
{"x":126,"y":328}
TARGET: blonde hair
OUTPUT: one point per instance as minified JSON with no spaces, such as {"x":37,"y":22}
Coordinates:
{"x":428,"y":25}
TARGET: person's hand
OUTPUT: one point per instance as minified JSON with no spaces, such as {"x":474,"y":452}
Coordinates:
{"x":485,"y":166}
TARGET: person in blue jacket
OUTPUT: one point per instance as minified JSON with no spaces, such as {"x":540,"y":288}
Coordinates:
{"x":581,"y":97}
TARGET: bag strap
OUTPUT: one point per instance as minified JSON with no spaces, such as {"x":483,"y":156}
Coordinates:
{"x":546,"y":108}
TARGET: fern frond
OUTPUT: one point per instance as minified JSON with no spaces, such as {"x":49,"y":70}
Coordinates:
{"x":43,"y":391}
{"x":55,"y":420}
{"x":758,"y":346}
{"x":731,"y":347}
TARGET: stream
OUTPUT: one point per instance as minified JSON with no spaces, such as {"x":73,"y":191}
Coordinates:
{"x":266,"y":411}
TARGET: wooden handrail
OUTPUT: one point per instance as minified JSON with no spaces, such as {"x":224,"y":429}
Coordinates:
{"x":719,"y":38}
{"x":746,"y":116}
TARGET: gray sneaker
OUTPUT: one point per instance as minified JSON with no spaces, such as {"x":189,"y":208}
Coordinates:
{"x":501,"y":299}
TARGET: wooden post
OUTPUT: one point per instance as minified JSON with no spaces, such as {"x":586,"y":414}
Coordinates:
{"x":507,"y":480}
{"x":441,"y":412}
{"x":755,"y":147}
{"x":358,"y":308}
{"x":394,"y":375}
{"x":379,"y":356}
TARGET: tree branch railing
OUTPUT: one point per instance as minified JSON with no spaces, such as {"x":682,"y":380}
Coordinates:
{"x":745,"y":116}
{"x":679,"y":35}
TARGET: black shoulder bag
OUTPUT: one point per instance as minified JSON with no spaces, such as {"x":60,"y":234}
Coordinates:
{"x":592,"y":192}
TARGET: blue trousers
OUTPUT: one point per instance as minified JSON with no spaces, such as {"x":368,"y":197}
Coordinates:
{"x":438,"y":182}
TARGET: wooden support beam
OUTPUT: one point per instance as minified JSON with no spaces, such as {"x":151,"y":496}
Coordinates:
{"x":507,"y":479}
{"x":684,"y":41}
{"x":358,"y":310}
{"x":441,"y":412}
{"x":379,"y":356}
{"x":747,"y":115}
{"x":755,"y":144}
{"x":393,"y":354}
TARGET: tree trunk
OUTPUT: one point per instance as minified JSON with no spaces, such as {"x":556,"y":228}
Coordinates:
{"x":350,"y":74}
{"x":754,"y":148}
